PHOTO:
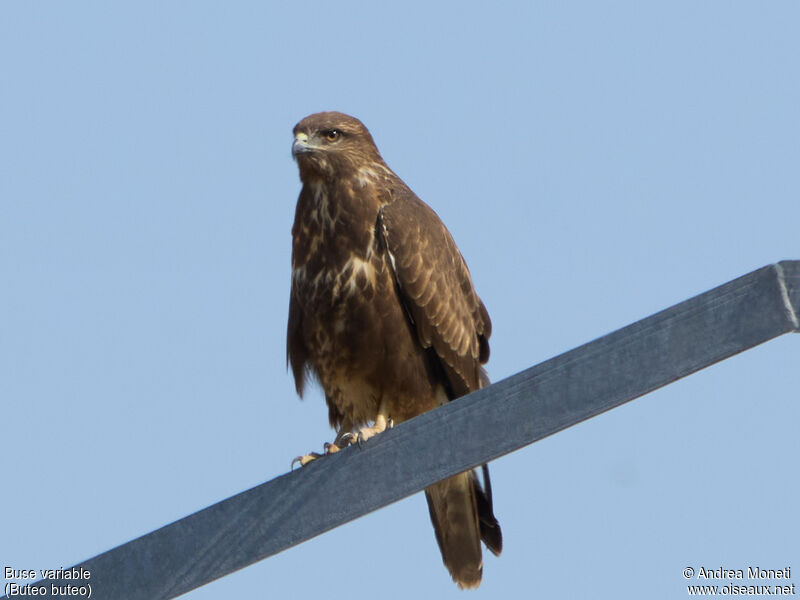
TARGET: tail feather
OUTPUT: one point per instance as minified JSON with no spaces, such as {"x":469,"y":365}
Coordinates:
{"x":490,"y":527}
{"x":461,"y":513}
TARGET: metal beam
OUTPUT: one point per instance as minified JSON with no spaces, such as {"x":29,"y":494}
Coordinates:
{"x":475,"y":429}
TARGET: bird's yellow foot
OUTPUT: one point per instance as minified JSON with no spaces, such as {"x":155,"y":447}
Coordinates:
{"x":342,"y":441}
{"x":359,"y":436}
{"x":334,"y":447}
{"x":345,"y":439}
{"x":381,"y":425}
{"x":304,"y":459}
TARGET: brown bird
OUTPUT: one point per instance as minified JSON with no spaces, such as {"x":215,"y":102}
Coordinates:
{"x":384,"y":315}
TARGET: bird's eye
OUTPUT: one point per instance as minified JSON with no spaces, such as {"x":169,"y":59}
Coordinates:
{"x":332,"y":135}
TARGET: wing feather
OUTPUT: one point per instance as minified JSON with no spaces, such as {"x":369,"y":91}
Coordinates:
{"x":436,"y":287}
{"x":296,"y":354}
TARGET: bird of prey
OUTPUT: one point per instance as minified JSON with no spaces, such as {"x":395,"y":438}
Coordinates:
{"x":383,"y":313}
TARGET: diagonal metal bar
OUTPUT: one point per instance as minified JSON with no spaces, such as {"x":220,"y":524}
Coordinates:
{"x":504,"y":417}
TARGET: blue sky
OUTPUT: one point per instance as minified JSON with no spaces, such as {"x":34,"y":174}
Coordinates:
{"x":595,"y":163}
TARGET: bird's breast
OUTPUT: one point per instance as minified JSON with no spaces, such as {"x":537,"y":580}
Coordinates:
{"x":335,"y":253}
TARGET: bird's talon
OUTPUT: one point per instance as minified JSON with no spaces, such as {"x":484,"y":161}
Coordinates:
{"x":304,"y":459}
{"x":333,"y":448}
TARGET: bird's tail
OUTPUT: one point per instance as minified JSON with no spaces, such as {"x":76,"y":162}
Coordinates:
{"x":462,"y":516}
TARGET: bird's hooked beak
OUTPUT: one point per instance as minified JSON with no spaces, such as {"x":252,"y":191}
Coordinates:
{"x":301,"y":144}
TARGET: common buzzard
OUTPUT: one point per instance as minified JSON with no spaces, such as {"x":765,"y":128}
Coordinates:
{"x":383,"y":313}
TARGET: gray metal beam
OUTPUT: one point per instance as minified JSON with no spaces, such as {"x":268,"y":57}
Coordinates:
{"x":789,"y":280}
{"x":504,"y":417}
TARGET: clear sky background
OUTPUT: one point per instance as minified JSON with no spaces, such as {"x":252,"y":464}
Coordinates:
{"x":595,"y":162}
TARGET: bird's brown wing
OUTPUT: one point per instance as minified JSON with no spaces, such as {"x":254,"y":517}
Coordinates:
{"x":295,"y":349}
{"x":436,"y":288}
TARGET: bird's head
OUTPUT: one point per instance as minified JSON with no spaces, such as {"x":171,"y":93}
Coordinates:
{"x":332,"y":144}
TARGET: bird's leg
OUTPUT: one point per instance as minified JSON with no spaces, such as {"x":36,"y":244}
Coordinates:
{"x":382,"y":423}
{"x":341,"y":441}
{"x":346,"y":436}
